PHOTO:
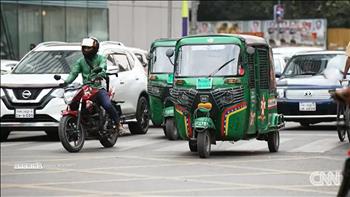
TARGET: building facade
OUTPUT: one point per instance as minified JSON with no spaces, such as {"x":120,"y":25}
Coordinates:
{"x":138,"y":23}
{"x":30,"y":22}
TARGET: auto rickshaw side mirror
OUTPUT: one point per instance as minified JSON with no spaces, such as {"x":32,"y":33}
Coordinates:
{"x":169,"y":54}
{"x":250,"y":50}
{"x":149,"y":56}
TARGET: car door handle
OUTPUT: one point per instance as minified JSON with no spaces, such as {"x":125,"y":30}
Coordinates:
{"x":122,"y":82}
{"x":137,"y":78}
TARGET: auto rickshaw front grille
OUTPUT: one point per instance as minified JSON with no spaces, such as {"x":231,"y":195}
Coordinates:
{"x":227,"y":96}
{"x":264,"y":68}
{"x":184,"y":97}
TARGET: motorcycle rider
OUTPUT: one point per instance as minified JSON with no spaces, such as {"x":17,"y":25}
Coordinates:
{"x":86,"y":66}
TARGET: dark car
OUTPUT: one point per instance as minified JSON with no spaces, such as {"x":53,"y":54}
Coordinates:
{"x":303,"y":87}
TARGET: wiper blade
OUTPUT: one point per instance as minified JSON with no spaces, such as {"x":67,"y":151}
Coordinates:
{"x":221,"y":67}
{"x":308,"y":73}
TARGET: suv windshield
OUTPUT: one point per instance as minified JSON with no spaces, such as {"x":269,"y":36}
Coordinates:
{"x":203,"y":60}
{"x":160,"y":62}
{"x":48,"y":62}
{"x":314,"y":64}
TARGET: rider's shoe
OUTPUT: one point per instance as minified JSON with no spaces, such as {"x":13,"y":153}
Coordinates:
{"x":122,"y":131}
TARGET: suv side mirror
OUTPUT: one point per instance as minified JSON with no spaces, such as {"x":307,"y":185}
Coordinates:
{"x":113,"y":71}
{"x":57,"y":77}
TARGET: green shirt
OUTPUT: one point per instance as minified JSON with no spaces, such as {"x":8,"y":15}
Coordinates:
{"x":81,"y":66}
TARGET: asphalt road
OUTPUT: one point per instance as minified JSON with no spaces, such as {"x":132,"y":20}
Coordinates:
{"x":150,"y":165}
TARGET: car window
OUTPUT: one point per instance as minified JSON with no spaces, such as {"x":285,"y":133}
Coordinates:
{"x":47,"y":62}
{"x":122,"y":61}
{"x":314,"y":64}
{"x":278,"y":66}
{"x":110,"y":61}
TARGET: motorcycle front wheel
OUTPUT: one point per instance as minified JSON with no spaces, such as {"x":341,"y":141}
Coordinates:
{"x":72,"y":136}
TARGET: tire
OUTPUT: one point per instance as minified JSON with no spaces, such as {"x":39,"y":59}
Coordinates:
{"x":340,"y":126}
{"x":4,"y":134}
{"x":142,"y":118}
{"x":170,"y":129}
{"x":69,"y":124}
{"x":273,"y":141}
{"x":109,"y":139}
{"x":204,"y":144}
{"x":52,"y":134}
{"x":192,"y":145}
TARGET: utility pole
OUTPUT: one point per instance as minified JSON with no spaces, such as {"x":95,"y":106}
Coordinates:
{"x":170,"y":18}
{"x":194,"y":11}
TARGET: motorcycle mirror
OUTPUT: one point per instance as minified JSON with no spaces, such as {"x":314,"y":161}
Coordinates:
{"x":57,"y":77}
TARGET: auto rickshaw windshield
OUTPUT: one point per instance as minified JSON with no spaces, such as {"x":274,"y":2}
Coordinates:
{"x":203,"y":60}
{"x":160,"y":62}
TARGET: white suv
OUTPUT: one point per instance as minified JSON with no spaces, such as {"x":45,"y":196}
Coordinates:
{"x":31,"y":99}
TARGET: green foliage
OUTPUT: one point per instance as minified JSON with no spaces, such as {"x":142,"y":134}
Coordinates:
{"x":336,"y":12}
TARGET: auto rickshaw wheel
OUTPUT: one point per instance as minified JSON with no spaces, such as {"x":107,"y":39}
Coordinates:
{"x":193,"y":145}
{"x":204,"y":143}
{"x":273,"y":141}
{"x":170,"y":129}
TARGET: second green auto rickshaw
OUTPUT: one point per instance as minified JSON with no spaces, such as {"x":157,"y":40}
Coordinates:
{"x":160,"y":80}
{"x":224,"y":90}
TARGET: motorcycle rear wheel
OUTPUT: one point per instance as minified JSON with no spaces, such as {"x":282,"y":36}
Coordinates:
{"x":72,"y":136}
{"x":109,"y":139}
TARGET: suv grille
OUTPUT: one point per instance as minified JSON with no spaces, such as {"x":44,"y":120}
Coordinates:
{"x":26,"y":93}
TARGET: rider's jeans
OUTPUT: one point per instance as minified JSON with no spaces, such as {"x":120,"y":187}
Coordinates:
{"x":103,"y":99}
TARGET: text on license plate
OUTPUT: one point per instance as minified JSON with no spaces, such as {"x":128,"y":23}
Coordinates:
{"x":307,"y":106}
{"x":24,"y":113}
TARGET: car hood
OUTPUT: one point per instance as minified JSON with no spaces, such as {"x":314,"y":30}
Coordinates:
{"x":307,"y":80}
{"x":30,"y":80}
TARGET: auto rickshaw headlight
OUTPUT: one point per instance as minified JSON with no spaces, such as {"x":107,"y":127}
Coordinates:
{"x":207,"y":105}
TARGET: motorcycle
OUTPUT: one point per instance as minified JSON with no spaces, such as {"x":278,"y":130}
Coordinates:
{"x":84,"y":118}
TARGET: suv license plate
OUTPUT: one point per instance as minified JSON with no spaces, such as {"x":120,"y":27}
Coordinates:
{"x":24,"y":113}
{"x":307,"y":106}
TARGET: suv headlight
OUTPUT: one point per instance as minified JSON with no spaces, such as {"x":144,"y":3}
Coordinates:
{"x":280,"y":93}
{"x":58,"y":93}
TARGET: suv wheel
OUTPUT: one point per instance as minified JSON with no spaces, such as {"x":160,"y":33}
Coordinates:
{"x":4,"y":134}
{"x":142,"y":118}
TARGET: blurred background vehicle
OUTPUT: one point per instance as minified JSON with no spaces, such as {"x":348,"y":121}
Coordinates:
{"x":281,"y":55}
{"x":7,"y":66}
{"x":303,"y":87}
{"x":141,"y":55}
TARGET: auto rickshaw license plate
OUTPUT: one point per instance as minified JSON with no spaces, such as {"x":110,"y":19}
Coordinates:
{"x":307,"y":106}
{"x":204,"y":83}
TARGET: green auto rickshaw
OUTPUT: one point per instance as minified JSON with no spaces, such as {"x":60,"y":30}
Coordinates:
{"x":224,"y":90}
{"x":160,"y":80}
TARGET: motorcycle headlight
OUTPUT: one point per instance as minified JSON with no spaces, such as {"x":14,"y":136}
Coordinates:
{"x":69,"y":95}
{"x":58,"y":93}
{"x":280,"y":93}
